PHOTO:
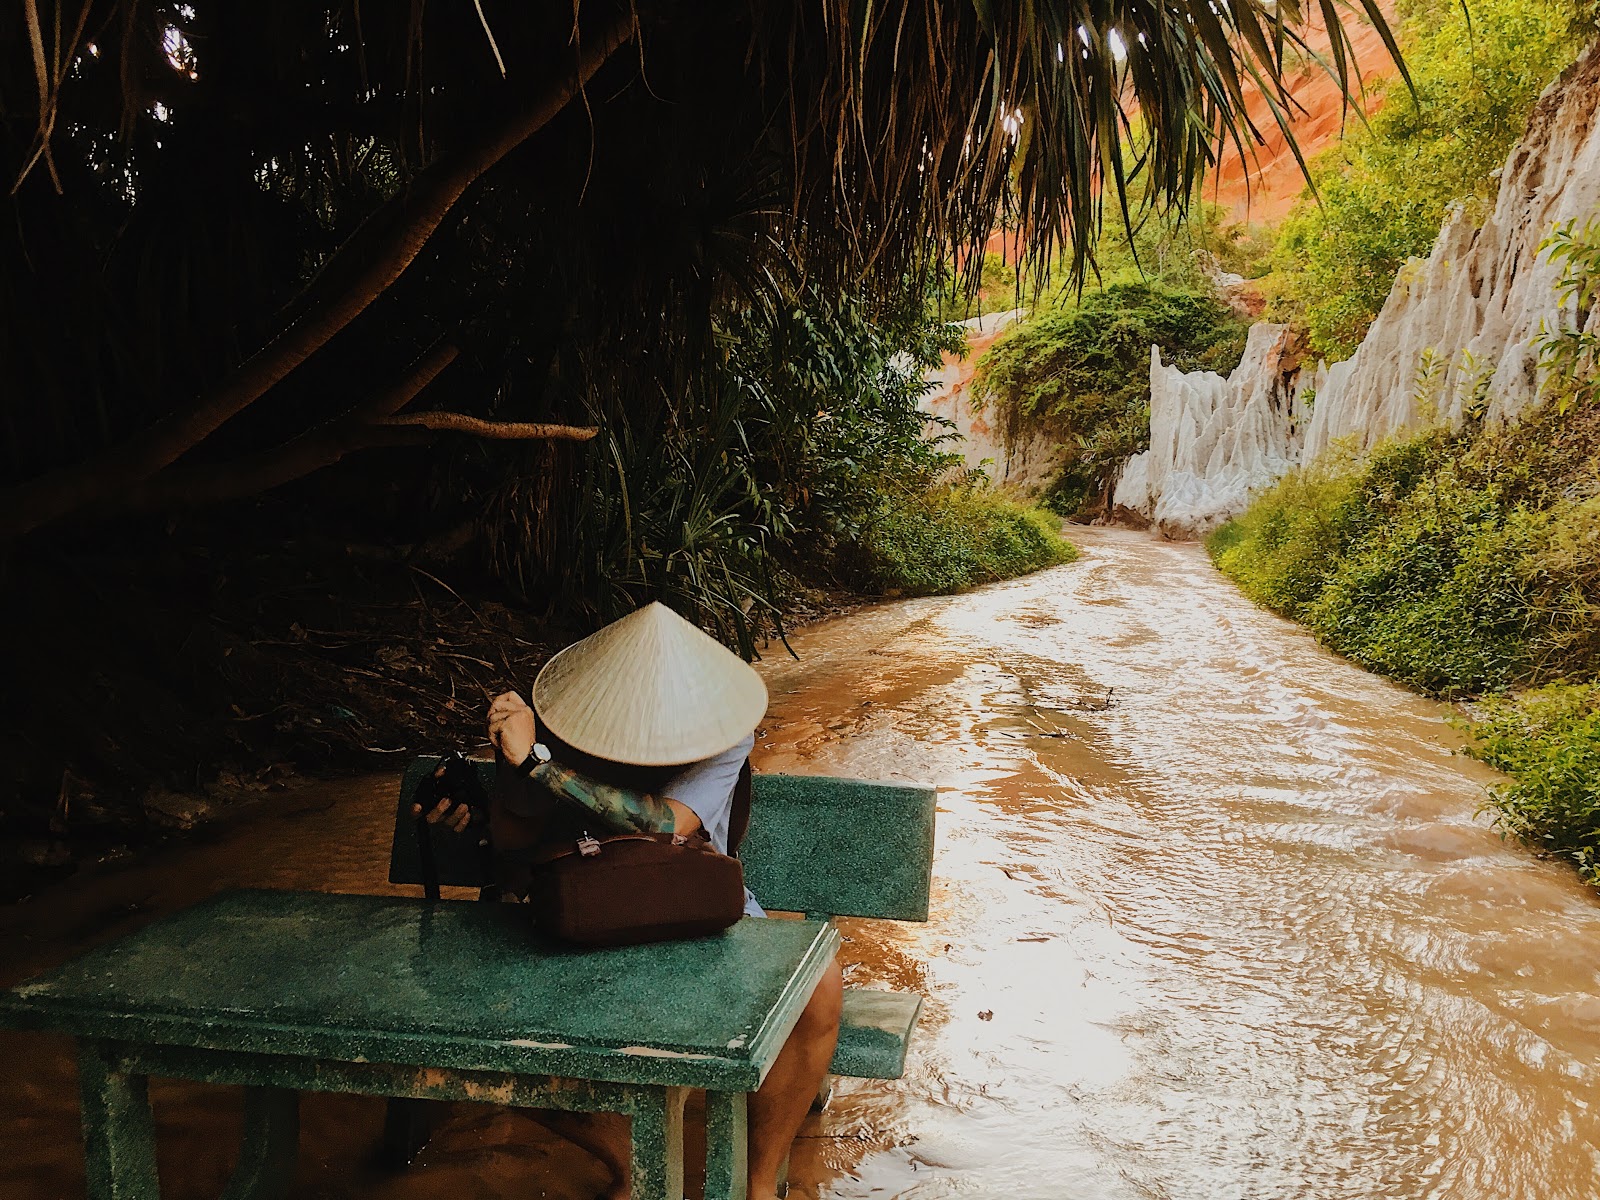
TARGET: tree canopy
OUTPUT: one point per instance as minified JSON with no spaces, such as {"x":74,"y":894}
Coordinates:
{"x":244,"y":239}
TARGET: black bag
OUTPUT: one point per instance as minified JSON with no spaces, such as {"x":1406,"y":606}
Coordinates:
{"x":454,"y":777}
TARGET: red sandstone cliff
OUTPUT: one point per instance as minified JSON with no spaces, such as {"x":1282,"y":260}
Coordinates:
{"x":1264,"y":185}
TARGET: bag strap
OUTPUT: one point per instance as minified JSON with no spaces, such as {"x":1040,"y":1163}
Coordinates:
{"x":739,"y":814}
{"x":428,"y":868}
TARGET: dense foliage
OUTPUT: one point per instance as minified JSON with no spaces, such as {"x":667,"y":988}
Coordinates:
{"x":917,"y":543}
{"x":1433,"y":560}
{"x":1180,"y":248}
{"x":240,"y":239}
{"x":1467,"y":562}
{"x":1079,"y":372}
{"x":1383,"y":192}
{"x":807,"y":461}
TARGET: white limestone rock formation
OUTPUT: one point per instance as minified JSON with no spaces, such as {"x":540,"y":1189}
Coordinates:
{"x":1467,"y":318}
{"x":1213,"y":439}
{"x":1473,"y":311}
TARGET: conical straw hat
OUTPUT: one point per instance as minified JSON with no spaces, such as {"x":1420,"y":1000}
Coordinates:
{"x":649,"y":690}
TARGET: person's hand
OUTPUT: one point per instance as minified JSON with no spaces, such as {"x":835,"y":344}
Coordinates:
{"x":511,"y":727}
{"x":457,"y":821}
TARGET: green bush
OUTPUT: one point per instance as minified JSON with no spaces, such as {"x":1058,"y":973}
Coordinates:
{"x":933,"y":543}
{"x":1455,"y":563}
{"x":1282,"y":550}
{"x":1436,"y":599}
{"x":1286,"y":547}
{"x":1079,"y":373}
{"x":1548,"y":741}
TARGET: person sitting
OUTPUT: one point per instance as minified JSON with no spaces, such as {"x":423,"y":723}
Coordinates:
{"x":650,"y":723}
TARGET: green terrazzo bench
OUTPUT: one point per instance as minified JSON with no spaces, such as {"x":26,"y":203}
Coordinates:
{"x":421,"y":1000}
{"x":281,"y":992}
{"x":817,"y":845}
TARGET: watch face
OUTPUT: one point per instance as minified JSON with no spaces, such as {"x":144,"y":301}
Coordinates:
{"x":541,"y":752}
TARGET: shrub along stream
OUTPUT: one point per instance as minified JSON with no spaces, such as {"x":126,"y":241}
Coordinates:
{"x":1463,"y":564}
{"x":1466,"y":564}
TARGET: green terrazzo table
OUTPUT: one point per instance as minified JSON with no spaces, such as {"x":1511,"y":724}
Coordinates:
{"x":284,"y":992}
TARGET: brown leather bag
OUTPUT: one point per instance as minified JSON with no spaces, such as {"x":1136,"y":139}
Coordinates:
{"x":630,"y":888}
{"x":634,"y":888}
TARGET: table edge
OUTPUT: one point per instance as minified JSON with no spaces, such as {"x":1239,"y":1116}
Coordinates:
{"x":633,"y":1064}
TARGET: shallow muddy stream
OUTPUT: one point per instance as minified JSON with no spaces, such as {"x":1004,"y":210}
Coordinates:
{"x":1213,"y":918}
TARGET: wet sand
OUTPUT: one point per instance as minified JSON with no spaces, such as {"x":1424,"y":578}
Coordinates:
{"x":1214,"y":917}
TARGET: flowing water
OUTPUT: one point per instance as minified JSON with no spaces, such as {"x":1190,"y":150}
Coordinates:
{"x":1213,"y":918}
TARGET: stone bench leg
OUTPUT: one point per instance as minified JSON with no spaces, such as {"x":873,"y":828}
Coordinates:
{"x":119,"y":1143}
{"x":727,"y":1146}
{"x":657,"y":1135}
{"x":269,"y":1146}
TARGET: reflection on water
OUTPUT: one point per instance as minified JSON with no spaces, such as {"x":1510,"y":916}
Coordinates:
{"x":1213,"y":919}
{"x":1234,"y":933}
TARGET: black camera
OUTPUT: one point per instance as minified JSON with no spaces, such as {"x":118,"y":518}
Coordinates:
{"x":456,"y":779}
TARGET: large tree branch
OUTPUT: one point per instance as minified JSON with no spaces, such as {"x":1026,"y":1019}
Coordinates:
{"x":310,"y":451}
{"x":357,"y":273}
{"x":214,"y":483}
{"x":423,"y":372}
{"x":370,"y":425}
{"x":504,"y":430}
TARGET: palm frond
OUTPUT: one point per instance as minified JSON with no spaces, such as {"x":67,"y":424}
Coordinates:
{"x":938,"y":120}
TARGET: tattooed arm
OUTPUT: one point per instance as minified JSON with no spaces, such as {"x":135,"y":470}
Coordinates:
{"x":621,"y":810}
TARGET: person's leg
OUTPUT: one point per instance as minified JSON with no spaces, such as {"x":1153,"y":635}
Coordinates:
{"x":604,"y":1135}
{"x":776,"y":1111}
{"x":779,"y":1108}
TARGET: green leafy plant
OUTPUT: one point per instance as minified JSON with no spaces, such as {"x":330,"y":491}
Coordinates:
{"x":1568,"y":352}
{"x":1548,"y":741}
{"x":1456,"y":562}
{"x":950,"y":539}
{"x":800,"y":456}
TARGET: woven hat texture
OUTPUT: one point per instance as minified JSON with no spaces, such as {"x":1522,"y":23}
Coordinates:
{"x":649,"y":690}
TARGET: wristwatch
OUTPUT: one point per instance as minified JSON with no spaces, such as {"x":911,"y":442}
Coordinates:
{"x":536,"y":759}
